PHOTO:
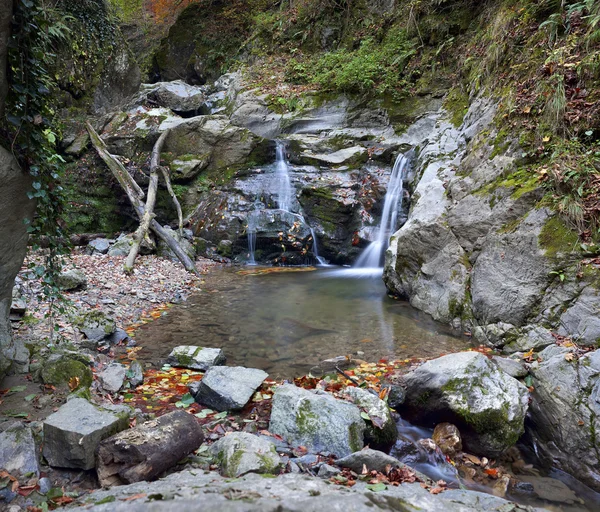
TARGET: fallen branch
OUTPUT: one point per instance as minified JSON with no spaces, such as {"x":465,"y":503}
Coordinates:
{"x":135,"y":195}
{"x":165,"y":173}
{"x":142,"y":231}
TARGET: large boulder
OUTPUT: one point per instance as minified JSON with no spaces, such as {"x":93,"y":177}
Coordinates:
{"x":565,"y":412}
{"x":177,"y":95}
{"x":381,"y":432}
{"x":240,"y":453}
{"x":72,"y":434}
{"x":225,"y":387}
{"x":469,"y":390}
{"x":317,"y":421}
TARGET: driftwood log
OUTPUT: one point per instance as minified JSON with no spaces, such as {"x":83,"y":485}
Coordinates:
{"x":135,"y":195}
{"x":144,"y":452}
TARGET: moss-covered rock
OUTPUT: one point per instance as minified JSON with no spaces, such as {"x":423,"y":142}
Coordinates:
{"x":63,"y":371}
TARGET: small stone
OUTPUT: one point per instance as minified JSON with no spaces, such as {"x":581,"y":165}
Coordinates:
{"x":447,"y":437}
{"x":240,"y":453}
{"x":72,"y":434}
{"x":18,"y":454}
{"x":45,"y":485}
{"x":396,"y":395}
{"x":96,"y":326}
{"x":372,"y":459}
{"x":71,"y":280}
{"x":195,"y":358}
{"x":326,"y":471}
{"x":112,"y":378}
{"x":135,"y":374}
{"x":117,"y":337}
{"x":224,"y":387}
{"x":99,"y":245}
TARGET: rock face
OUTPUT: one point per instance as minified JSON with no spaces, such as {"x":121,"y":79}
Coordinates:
{"x":72,"y":434}
{"x":565,"y":412}
{"x":18,"y":453}
{"x":466,"y":388}
{"x":196,"y":358}
{"x":240,"y":453}
{"x":14,"y":207}
{"x":317,"y":421}
{"x":381,"y":432}
{"x":225,"y":387}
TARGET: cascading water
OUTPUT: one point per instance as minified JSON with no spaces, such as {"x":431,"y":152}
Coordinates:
{"x":315,"y":249}
{"x":282,"y":173}
{"x":372,"y":256}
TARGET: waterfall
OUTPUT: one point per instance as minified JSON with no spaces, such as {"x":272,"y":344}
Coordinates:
{"x":372,"y":256}
{"x":251,"y":231}
{"x":282,"y":173}
{"x":315,"y":249}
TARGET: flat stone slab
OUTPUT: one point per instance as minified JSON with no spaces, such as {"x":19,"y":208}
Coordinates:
{"x":196,"y":358}
{"x":72,"y":434}
{"x":229,"y":387}
{"x":18,"y":454}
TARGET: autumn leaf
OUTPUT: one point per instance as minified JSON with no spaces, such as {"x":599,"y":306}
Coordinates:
{"x":570,"y":357}
{"x":74,"y":383}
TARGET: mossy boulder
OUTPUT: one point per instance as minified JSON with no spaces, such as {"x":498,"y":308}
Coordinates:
{"x":64,"y":371}
{"x":470,"y":391}
{"x":240,"y":453}
{"x":72,"y":279}
{"x":316,"y":420}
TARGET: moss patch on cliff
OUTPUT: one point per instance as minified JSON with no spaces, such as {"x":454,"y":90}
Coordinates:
{"x":557,"y":238}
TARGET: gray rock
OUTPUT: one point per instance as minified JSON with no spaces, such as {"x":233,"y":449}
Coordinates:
{"x":581,"y":320}
{"x":99,"y":245}
{"x":45,"y":485}
{"x":224,"y":387}
{"x":196,"y":358}
{"x":73,"y":279}
{"x":381,"y":432}
{"x":72,"y":434}
{"x":18,"y":453}
{"x":373,"y":459}
{"x":121,"y":246}
{"x":316,"y":420}
{"x":240,"y":453}
{"x":326,"y":471}
{"x":177,"y":95}
{"x":135,"y":374}
{"x":529,"y":337}
{"x":487,"y":405}
{"x":565,"y":412}
{"x":348,"y":156}
{"x":492,"y":335}
{"x":117,"y":337}
{"x":59,"y":369}
{"x":112,"y":378}
{"x":96,"y":326}
{"x":187,"y":247}
{"x":512,"y":367}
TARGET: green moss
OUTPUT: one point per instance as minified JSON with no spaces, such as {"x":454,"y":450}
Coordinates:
{"x":557,"y":238}
{"x":59,"y":373}
{"x":355,"y":438}
{"x":520,"y":182}
{"x":306,"y":420}
{"x":455,"y":307}
{"x":457,"y":104}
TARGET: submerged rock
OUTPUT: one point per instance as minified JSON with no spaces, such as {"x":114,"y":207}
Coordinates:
{"x":240,"y":453}
{"x":225,"y":387}
{"x":18,"y":453}
{"x":468,"y":389}
{"x":72,"y":434}
{"x":196,"y":358}
{"x":316,"y":420}
{"x":381,"y":432}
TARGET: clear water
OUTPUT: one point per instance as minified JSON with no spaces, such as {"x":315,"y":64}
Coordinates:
{"x":287,"y":322}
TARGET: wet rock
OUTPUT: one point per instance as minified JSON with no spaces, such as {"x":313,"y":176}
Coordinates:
{"x":565,"y":412}
{"x":196,"y":358}
{"x":373,"y":459}
{"x":71,"y":280}
{"x":18,"y":453}
{"x":316,"y":420}
{"x":396,"y":395}
{"x":447,"y":437}
{"x":326,"y":471}
{"x":552,"y":489}
{"x":240,"y":453}
{"x":135,"y":374}
{"x":72,"y":434}
{"x":99,"y":245}
{"x":380,"y":432}
{"x":512,"y":367}
{"x":112,"y":378}
{"x":224,"y":388}
{"x":466,"y":388}
{"x":144,"y":452}
{"x":348,"y":156}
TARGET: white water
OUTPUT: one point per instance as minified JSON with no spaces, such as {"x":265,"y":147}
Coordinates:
{"x":315,"y":249}
{"x":282,"y":172}
{"x":372,"y":257}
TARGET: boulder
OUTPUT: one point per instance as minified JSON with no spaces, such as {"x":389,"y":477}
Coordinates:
{"x":112,"y":377}
{"x":225,"y":387}
{"x":72,"y":434}
{"x":447,"y":437}
{"x":99,"y":245}
{"x":349,"y":156}
{"x":185,"y":244}
{"x":373,"y":459}
{"x":581,"y":320}
{"x":71,"y":280}
{"x":18,"y":453}
{"x":239,"y":453}
{"x":195,"y":358}
{"x":144,"y":452}
{"x":316,"y":420}
{"x":468,"y":389}
{"x":177,"y":95}
{"x":64,"y":370}
{"x":96,"y":326}
{"x":530,"y":337}
{"x":381,"y":432}
{"x":565,"y":412}
{"x":326,"y":471}
{"x":123,"y":243}
{"x":513,"y":367}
